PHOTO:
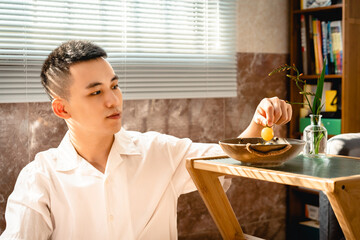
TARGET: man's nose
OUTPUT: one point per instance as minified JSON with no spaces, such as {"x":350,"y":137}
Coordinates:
{"x":112,"y":99}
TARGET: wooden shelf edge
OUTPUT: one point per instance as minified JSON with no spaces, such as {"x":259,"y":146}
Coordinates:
{"x":319,"y":9}
{"x":329,"y":76}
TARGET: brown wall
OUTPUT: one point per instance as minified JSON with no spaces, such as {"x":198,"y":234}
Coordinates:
{"x":27,"y":128}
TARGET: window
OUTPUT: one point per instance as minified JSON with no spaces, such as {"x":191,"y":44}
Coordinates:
{"x":159,"y":48}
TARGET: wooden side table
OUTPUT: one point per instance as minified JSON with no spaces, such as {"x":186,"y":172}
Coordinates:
{"x":337,"y":176}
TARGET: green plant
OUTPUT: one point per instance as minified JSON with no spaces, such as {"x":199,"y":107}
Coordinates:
{"x":316,"y":105}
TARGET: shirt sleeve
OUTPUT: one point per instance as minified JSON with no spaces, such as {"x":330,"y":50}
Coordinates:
{"x":27,"y":212}
{"x":183,"y":149}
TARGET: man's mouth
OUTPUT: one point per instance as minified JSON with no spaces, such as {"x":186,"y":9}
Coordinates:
{"x":116,"y":115}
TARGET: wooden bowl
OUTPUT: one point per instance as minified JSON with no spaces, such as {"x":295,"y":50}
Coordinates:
{"x":254,"y":152}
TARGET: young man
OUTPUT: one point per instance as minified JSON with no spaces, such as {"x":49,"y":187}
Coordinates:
{"x":104,"y":182}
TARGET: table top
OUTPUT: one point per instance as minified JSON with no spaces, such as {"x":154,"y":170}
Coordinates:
{"x":330,"y":167}
{"x":299,"y":171}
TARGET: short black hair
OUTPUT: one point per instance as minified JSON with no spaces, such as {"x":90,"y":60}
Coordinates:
{"x":55,"y":73}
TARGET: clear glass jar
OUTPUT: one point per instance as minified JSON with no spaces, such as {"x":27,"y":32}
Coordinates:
{"x":315,"y":137}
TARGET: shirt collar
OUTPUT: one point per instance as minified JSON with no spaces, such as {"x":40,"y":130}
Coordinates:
{"x":69,"y":159}
{"x":125,"y":144}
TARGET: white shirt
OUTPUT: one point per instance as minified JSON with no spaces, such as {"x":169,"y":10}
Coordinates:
{"x":60,"y":195}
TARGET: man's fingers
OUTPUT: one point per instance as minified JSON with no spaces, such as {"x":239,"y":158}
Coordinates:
{"x":289,"y":111}
{"x":261,"y":120}
{"x":279,"y":110}
{"x":284,"y":117}
{"x":266,"y":111}
{"x":273,"y":111}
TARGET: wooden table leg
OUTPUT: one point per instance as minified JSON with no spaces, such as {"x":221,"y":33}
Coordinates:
{"x":345,"y":201}
{"x":216,"y":201}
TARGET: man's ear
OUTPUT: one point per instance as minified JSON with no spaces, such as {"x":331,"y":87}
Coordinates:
{"x":58,"y":107}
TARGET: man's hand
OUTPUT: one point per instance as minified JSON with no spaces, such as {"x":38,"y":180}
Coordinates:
{"x":270,"y":111}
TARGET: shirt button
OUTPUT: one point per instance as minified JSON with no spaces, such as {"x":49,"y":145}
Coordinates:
{"x":111,"y":217}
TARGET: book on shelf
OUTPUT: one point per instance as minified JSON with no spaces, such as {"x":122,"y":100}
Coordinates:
{"x":337,"y":48}
{"x":330,"y":56}
{"x":312,"y":88}
{"x":324,"y":45}
{"x":331,"y":100}
{"x":304,"y":48}
{"x":304,"y":4}
{"x":312,"y":212}
{"x":311,"y":223}
{"x":321,"y":45}
{"x":317,"y":45}
{"x":310,"y":41}
{"x":331,"y":123}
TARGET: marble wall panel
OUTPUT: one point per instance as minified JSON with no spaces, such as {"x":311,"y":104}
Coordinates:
{"x":27,"y":128}
{"x":194,"y":220}
{"x":179,"y":117}
{"x":207,"y":120}
{"x":201,"y":120}
{"x":46,"y":130}
{"x":254,"y":84}
{"x":135,"y":115}
{"x":263,"y":26}
{"x":271,"y":229}
{"x":14,"y":143}
{"x":259,"y":202}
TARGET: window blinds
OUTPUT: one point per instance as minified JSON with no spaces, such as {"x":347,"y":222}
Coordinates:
{"x":159,"y":48}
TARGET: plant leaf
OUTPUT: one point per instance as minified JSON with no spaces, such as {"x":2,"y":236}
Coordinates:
{"x":307,"y":93}
{"x":282,"y":69}
{"x":319,"y":90}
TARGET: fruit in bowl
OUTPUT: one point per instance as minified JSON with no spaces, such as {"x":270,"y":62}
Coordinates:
{"x":267,"y":133}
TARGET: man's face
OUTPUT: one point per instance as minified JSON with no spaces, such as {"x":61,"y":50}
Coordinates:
{"x":95,"y":101}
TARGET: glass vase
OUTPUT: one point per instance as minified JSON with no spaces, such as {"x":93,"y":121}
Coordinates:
{"x":315,"y":137}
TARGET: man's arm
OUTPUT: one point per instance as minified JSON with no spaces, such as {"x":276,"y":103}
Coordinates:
{"x":23,"y":222}
{"x":27,"y":212}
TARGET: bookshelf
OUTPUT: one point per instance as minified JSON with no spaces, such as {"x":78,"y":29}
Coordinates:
{"x":297,"y":199}
{"x":347,"y":82}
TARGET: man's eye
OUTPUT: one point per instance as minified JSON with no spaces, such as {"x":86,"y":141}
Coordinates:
{"x":115,"y":86}
{"x":96,"y":93}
